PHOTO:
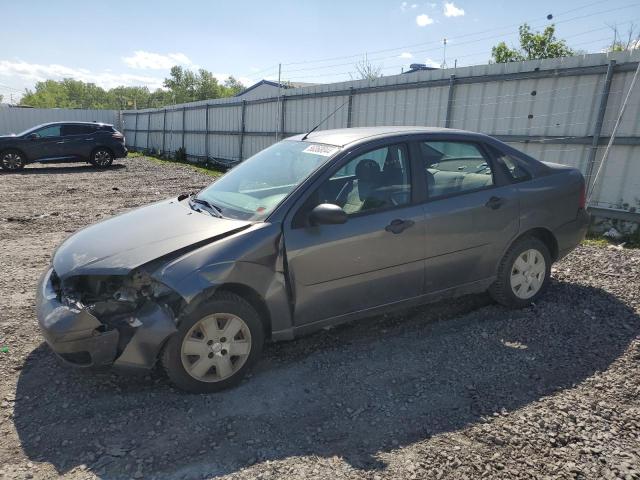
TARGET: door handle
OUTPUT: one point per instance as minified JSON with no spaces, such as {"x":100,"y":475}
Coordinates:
{"x":495,"y":203}
{"x":398,"y":225}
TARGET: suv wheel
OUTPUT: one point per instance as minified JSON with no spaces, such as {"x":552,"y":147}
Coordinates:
{"x":101,"y":158}
{"x":215,"y":345}
{"x":523,"y":273}
{"x":12,"y":160}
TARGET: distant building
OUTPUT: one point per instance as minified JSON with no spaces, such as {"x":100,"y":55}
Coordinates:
{"x":419,"y":67}
{"x":267,"y":88}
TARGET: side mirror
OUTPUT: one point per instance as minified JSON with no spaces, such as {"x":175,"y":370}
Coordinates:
{"x":327,"y":214}
{"x":32,"y":136}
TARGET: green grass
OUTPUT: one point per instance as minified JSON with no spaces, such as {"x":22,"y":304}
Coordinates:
{"x":207,"y":170}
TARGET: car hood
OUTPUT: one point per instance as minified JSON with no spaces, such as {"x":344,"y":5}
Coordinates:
{"x":122,"y":243}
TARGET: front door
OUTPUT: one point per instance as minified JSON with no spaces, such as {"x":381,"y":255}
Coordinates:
{"x":373,"y":259}
{"x":471,"y":215}
{"x":45,"y":143}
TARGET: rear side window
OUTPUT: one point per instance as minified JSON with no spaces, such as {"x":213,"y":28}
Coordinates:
{"x":454,"y":168}
{"x":513,"y":167}
{"x":77,"y":129}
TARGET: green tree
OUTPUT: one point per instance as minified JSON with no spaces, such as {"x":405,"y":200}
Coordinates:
{"x":533,"y":45}
{"x":180,"y":87}
{"x":234,"y":85}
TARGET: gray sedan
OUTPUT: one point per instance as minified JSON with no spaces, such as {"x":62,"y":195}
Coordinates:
{"x":313,"y":231}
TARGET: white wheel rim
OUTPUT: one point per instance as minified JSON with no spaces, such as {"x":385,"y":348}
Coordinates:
{"x":527,"y":274}
{"x":11,"y":161}
{"x":216,"y":347}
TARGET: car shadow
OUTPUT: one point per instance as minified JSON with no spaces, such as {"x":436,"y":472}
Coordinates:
{"x":354,"y":392}
{"x":38,"y":169}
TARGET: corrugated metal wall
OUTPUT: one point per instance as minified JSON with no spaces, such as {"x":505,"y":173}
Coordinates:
{"x":16,"y":120}
{"x":547,"y":108}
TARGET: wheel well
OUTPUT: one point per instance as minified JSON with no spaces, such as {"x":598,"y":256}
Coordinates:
{"x":15,"y":150}
{"x":102,"y":147}
{"x":545,"y":236}
{"x":254,"y":298}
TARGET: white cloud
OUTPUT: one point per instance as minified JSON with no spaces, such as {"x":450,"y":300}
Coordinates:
{"x":405,"y":55}
{"x":424,"y":20}
{"x":403,"y":6}
{"x":156,"y":61}
{"x":414,"y":5}
{"x":431,"y":63}
{"x":26,"y":74}
{"x":450,"y":10}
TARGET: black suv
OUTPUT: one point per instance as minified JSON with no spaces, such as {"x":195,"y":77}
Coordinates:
{"x":97,"y":143}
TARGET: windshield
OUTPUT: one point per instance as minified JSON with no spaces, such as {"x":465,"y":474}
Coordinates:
{"x":254,"y":188}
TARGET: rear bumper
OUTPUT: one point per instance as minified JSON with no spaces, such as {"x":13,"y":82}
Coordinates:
{"x":120,"y":151}
{"x":82,"y":340}
{"x":571,"y":234}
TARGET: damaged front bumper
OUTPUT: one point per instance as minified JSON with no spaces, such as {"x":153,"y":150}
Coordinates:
{"x":77,"y":336}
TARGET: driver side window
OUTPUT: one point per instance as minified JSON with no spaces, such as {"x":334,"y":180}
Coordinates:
{"x":378,"y":179}
{"x":52,"y":131}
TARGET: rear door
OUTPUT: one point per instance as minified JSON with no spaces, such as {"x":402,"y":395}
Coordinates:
{"x":77,"y":139}
{"x":376,"y":257}
{"x":471,"y":213}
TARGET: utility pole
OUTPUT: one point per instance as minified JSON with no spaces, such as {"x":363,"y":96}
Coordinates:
{"x":444,"y":53}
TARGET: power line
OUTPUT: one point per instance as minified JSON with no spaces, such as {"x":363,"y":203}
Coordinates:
{"x":466,"y":35}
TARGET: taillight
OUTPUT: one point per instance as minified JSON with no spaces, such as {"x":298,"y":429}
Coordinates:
{"x":583,"y":196}
{"x":118,"y":136}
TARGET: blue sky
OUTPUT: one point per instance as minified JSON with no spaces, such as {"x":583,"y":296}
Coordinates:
{"x":135,"y":42}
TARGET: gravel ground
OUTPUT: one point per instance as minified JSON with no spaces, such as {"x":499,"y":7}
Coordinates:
{"x":460,"y":389}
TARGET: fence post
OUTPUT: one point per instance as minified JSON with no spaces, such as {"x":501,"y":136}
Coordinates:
{"x":282,"y":112}
{"x":135,"y":132}
{"x":184,"y":110}
{"x":447,"y":118}
{"x":350,"y":109}
{"x":597,"y":129}
{"x":164,"y":126}
{"x":206,"y":132}
{"x":242,"y":128}
{"x":148,"y":129}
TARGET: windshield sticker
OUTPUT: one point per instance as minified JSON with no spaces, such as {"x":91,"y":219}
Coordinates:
{"x":317,"y":149}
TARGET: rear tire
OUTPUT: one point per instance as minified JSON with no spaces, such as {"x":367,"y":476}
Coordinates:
{"x":101,"y":158}
{"x":12,"y":160}
{"x":215,"y":345}
{"x":523,"y":274}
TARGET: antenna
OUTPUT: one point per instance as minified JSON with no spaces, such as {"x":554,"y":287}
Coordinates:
{"x":323,"y":120}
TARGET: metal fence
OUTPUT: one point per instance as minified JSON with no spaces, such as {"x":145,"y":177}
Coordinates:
{"x":16,"y":120}
{"x":558,"y":110}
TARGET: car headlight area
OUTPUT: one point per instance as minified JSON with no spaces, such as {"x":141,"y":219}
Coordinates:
{"x":94,"y":320}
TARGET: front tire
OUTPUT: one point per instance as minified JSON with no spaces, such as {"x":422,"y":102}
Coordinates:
{"x":12,"y":160}
{"x":215,"y":345}
{"x":101,"y":158}
{"x":523,"y":274}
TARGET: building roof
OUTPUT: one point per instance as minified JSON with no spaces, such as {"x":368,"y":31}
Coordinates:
{"x":344,"y":136}
{"x":275,"y":84}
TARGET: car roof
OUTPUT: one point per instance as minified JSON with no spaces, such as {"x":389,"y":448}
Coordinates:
{"x":344,"y":136}
{"x":73,"y":122}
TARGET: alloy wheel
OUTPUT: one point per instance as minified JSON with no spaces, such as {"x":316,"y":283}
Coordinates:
{"x":102,"y":158}
{"x":527,"y":274}
{"x":216,"y":347}
{"x":12,"y":161}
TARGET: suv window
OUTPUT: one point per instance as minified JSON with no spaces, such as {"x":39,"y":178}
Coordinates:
{"x":77,"y":129}
{"x":374,"y":180}
{"x":50,"y":131}
{"x":454,"y":168}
